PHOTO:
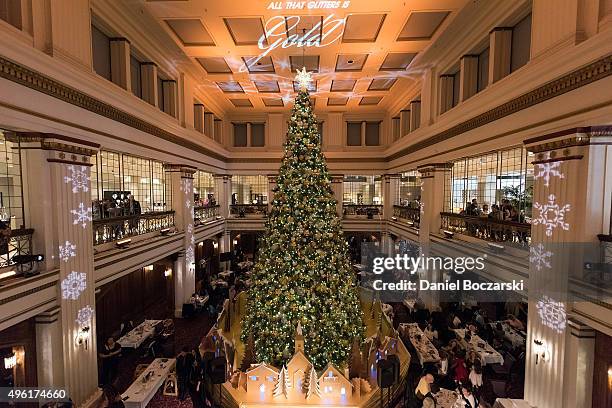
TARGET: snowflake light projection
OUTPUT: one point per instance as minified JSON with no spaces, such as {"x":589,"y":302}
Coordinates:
{"x":185,"y":186}
{"x":190,"y":228}
{"x":539,"y":256}
{"x":73,"y":285}
{"x":551,"y":215}
{"x":552,"y":314}
{"x":188,"y":204}
{"x":78,"y":177}
{"x":547,"y":170}
{"x":192,"y":240}
{"x":422,"y":208}
{"x":189,"y":256}
{"x":67,"y":251}
{"x":84,"y":316}
{"x":82,"y":215}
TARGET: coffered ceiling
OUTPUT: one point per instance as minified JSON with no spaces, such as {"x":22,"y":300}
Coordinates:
{"x":361,"y":52}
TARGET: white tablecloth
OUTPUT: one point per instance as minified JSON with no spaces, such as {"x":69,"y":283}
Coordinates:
{"x":139,"y":334}
{"x":426,"y":351}
{"x":510,"y":403}
{"x":448,"y":399}
{"x":515,"y":337}
{"x":487,"y":354}
{"x":146,"y":385}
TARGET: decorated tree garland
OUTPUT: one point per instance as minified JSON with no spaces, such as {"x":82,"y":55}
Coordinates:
{"x":303,"y":274}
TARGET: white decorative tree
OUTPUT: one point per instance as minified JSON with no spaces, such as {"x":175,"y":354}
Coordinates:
{"x":313,"y":384}
{"x":282,"y":384}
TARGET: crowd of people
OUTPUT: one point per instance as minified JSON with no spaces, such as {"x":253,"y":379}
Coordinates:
{"x":111,"y":208}
{"x":499,"y":212}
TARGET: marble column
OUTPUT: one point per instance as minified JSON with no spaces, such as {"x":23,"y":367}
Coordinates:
{"x":209,"y":124}
{"x":198,"y":117}
{"x":579,"y":364}
{"x":415,"y":115}
{"x":404,"y":122}
{"x":446,"y":93}
{"x":169,"y":89}
{"x":218,"y":130}
{"x":500,"y":52}
{"x":395,"y":128}
{"x":182,"y":202}
{"x":120,"y":62}
{"x":148,"y":78}
{"x":390,"y":190}
{"x":49,"y":348}
{"x":223,"y":193}
{"x":433,"y":177}
{"x":469,"y":77}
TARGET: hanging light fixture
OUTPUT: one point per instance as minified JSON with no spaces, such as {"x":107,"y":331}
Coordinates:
{"x":10,"y":361}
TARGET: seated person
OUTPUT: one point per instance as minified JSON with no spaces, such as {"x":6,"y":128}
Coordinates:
{"x":423,"y":388}
{"x":515,"y":323}
{"x":476,"y":375}
{"x":469,"y":399}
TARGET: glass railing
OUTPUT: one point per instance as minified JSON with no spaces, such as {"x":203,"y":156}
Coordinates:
{"x":113,"y":229}
{"x":487,"y":229}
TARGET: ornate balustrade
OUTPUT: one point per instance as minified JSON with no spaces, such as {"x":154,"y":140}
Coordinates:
{"x":19,"y":243}
{"x":205,"y":213}
{"x":408,"y":213}
{"x":487,"y":229}
{"x":369,"y":210}
{"x":245,"y":210}
{"x":113,"y":229}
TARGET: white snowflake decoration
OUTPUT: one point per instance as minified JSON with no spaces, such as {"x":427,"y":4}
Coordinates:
{"x":78,"y":177}
{"x":188,"y":204}
{"x":82,"y":215}
{"x":547,"y":170}
{"x":551,"y":215}
{"x":192,"y":240}
{"x":67,"y":251}
{"x":539,"y":256}
{"x":84,"y":316}
{"x":422,"y":207}
{"x":73,"y":285}
{"x":189,"y":256}
{"x":186,"y":185}
{"x":190,"y":228}
{"x":552,"y":314}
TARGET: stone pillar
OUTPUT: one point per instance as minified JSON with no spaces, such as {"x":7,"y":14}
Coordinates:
{"x":429,"y":93}
{"x":71,"y":31}
{"x":209,"y":124}
{"x":404,"y":122}
{"x":271,"y":188}
{"x":415,"y":115}
{"x":218,"y":130}
{"x":49,"y":349}
{"x":198,"y":117}
{"x":395,"y":128}
{"x":390,"y":190}
{"x":433,"y":177}
{"x":337,"y":184}
{"x":120,"y":62}
{"x":500,"y":52}
{"x":182,"y":202}
{"x":568,"y":181}
{"x":169,"y":90}
{"x":446,"y":93}
{"x":148,"y":77}
{"x":579,"y":364}
{"x":469,"y":77}
{"x":223,"y":190}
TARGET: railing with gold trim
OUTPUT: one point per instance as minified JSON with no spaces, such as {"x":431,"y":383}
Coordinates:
{"x":112,"y":229}
{"x":487,"y":229}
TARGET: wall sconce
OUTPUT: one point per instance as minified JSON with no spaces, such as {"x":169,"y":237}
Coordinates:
{"x":123,"y":243}
{"x":82,"y":337}
{"x":164,"y":231}
{"x":610,"y":377}
{"x":215,"y":244}
{"x":448,"y":234}
{"x":235,"y":242}
{"x":168,"y":272}
{"x":148,"y":268}
{"x":541,"y":351}
{"x":10,"y":361}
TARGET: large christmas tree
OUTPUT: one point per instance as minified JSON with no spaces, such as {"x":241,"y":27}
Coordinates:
{"x":303,"y":273}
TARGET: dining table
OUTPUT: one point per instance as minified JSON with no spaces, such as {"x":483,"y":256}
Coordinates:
{"x":516,"y":337}
{"x":135,"y":337}
{"x":142,"y":390}
{"x":448,"y":399}
{"x":425,"y":350}
{"x":487,"y":354}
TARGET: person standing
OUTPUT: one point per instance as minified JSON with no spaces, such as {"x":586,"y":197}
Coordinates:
{"x":423,"y":388}
{"x":109,"y":354}
{"x":184,"y":366}
{"x":469,"y":399}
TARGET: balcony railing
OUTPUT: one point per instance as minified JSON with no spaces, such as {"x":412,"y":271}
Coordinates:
{"x":246,"y":210}
{"x":205,"y":213}
{"x":407,"y":213}
{"x":487,"y":229}
{"x":367,"y":210}
{"x":20,"y":243}
{"x":112,"y":229}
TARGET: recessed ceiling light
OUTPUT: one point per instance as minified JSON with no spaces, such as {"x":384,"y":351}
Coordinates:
{"x":350,"y":61}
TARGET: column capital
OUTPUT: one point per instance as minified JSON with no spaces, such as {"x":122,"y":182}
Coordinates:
{"x":337,"y":178}
{"x":63,"y":149}
{"x":428,"y":170}
{"x":579,"y":329}
{"x":49,"y":316}
{"x":389,"y":176}
{"x":186,"y":170}
{"x":567,"y":139}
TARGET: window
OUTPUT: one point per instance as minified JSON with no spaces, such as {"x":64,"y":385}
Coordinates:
{"x":409,"y":188}
{"x":135,"y":76}
{"x":491,"y":178}
{"x":456,"y":85}
{"x":249,"y":189}
{"x":372,"y":134}
{"x":137,"y":180}
{"x":353,"y":133}
{"x":11,"y":201}
{"x":521,"y":44}
{"x":100,"y":46}
{"x":10,"y":11}
{"x":203,"y":187}
{"x":362,"y":190}
{"x":258,"y":134}
{"x":240,"y":134}
{"x":483,"y":70}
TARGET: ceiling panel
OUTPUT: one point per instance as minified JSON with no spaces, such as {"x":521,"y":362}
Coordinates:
{"x":342,"y":85}
{"x":350,"y":62}
{"x":397,"y":61}
{"x":422,"y":25}
{"x":300,"y":25}
{"x":337,"y":101}
{"x":267,"y":86}
{"x":311,"y":62}
{"x":242,"y":103}
{"x":246,"y":30}
{"x":230,"y":86}
{"x":273,"y":102}
{"x":370,"y":100}
{"x":190,"y":31}
{"x":381,"y":84}
{"x":312,"y":86}
{"x":362,"y":27}
{"x":214,"y":65}
{"x":264,"y":65}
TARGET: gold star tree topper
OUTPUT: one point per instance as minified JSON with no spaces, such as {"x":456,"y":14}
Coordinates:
{"x":303,"y":78}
